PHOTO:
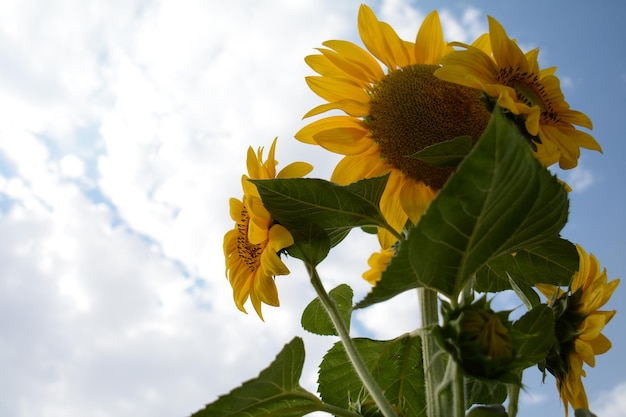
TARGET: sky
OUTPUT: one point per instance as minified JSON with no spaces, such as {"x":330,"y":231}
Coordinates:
{"x":123,"y":134}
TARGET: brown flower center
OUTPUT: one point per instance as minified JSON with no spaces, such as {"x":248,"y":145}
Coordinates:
{"x":248,"y":252}
{"x":530,"y":91}
{"x":411,"y":109}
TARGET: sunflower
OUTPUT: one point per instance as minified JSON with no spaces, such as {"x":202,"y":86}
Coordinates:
{"x":513,"y":79}
{"x":390,"y":115}
{"x":579,"y":324}
{"x":252,"y":247}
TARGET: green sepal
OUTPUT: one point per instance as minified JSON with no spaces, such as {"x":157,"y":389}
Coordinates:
{"x":525,"y":292}
{"x":396,"y":365}
{"x":533,"y":336}
{"x":445,"y":154}
{"x":297,"y":202}
{"x":275,"y":392}
{"x":315,"y":318}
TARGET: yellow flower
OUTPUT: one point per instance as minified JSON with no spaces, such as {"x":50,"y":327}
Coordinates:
{"x":579,"y":324}
{"x":513,"y":78}
{"x":389,"y":116}
{"x":252,"y":247}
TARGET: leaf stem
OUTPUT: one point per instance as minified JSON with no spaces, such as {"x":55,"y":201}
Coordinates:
{"x":433,"y":367}
{"x":361,"y":370}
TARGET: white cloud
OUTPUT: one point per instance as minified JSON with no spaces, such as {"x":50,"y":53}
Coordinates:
{"x":580,"y":179}
{"x":612,"y":403}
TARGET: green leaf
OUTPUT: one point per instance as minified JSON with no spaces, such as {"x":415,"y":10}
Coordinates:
{"x":499,"y":201}
{"x":311,"y":244}
{"x":445,"y":154}
{"x":533,"y":336}
{"x":396,"y":365}
{"x":552,"y":262}
{"x":275,"y":392}
{"x":296,"y":202}
{"x":525,"y":292}
{"x":315,"y":318}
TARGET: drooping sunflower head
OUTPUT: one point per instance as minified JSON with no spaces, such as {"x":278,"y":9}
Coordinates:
{"x":391,"y":111}
{"x":514,"y":80}
{"x":252,"y":247}
{"x":579,"y":323}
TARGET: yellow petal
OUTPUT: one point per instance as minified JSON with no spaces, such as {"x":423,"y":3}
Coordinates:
{"x":344,"y":140}
{"x":272,"y":264}
{"x":471,"y":68}
{"x":359,"y":57}
{"x":373,"y":37}
{"x":236,"y":208}
{"x":429,"y":43}
{"x":321,"y":65}
{"x":378,"y":262}
{"x":353,"y":108}
{"x":334,"y":89}
{"x":600,"y":344}
{"x":312,"y":131}
{"x":265,"y":289}
{"x":415,"y":197}
{"x":348,"y":69}
{"x":398,"y":47}
{"x":295,"y":170}
{"x":279,"y":238}
{"x":505,"y":51}
{"x":355,"y":167}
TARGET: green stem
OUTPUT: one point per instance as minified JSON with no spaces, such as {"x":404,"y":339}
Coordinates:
{"x":433,"y":367}
{"x":458,"y":390}
{"x":513,"y":391}
{"x":361,"y":370}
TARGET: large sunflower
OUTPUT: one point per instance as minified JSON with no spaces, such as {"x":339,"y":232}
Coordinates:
{"x":390,"y":114}
{"x":251,"y":248}
{"x":514,"y":80}
{"x":579,"y":324}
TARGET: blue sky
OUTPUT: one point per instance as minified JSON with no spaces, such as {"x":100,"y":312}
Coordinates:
{"x":124,"y":131}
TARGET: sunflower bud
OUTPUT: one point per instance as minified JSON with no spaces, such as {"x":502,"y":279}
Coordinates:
{"x":479,"y":339}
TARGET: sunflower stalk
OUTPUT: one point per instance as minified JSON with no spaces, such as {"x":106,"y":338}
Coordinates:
{"x":353,"y":355}
{"x":434,"y":369}
{"x":458,"y":390}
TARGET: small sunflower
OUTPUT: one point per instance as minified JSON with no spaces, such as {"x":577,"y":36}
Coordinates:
{"x":390,"y":115}
{"x":514,"y":80}
{"x":252,"y":247}
{"x":579,"y":324}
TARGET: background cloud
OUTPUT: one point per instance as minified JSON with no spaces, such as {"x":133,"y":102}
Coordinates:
{"x":123,"y":133}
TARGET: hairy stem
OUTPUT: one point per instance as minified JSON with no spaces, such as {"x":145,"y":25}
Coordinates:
{"x":458,"y":390}
{"x":434,"y":369}
{"x":361,"y":370}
